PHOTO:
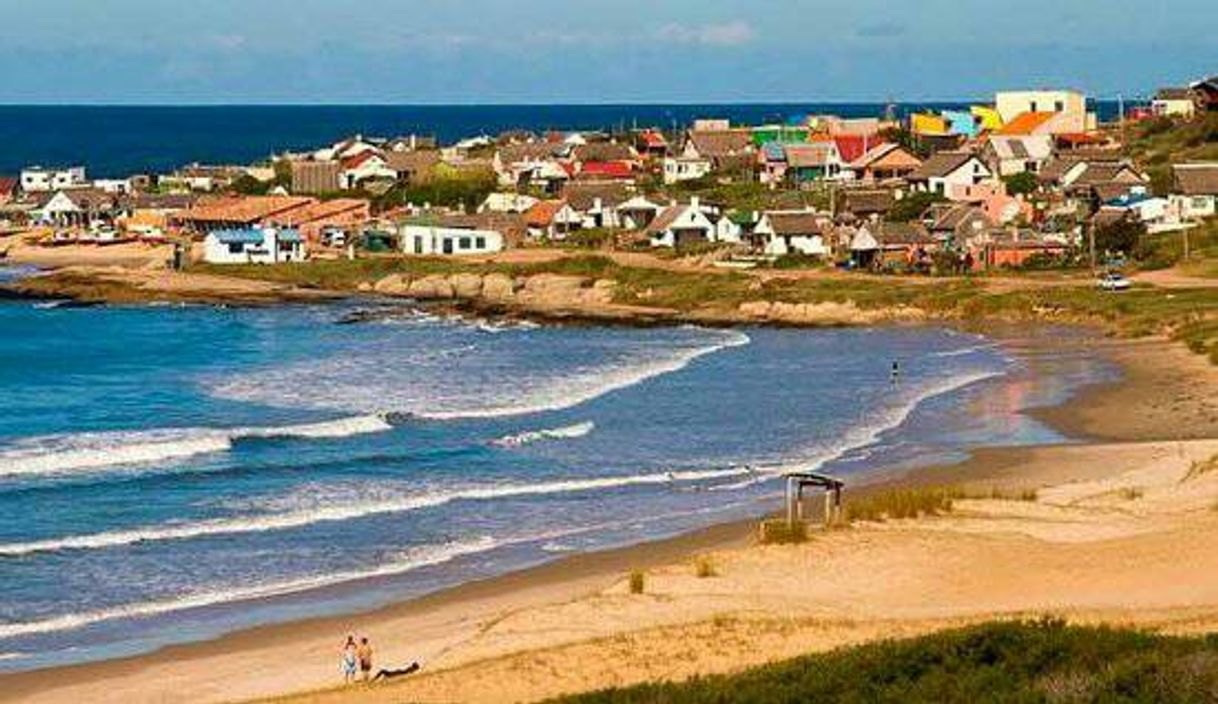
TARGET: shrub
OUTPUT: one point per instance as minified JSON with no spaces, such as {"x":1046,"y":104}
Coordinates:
{"x":704,"y":567}
{"x":637,"y":581}
{"x":1021,"y":183}
{"x":1131,"y":493}
{"x":912,"y":206}
{"x":779,"y":532}
{"x":901,"y":503}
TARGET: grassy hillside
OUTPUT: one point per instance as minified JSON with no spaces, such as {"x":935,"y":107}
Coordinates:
{"x":1043,"y":661}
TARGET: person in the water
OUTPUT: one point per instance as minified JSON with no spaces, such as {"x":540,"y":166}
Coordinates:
{"x":895,"y":375}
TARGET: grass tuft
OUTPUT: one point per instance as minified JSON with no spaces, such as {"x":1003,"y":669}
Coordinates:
{"x":704,"y":567}
{"x":1131,"y":493}
{"x":901,"y":503}
{"x":637,"y":581}
{"x":779,"y":532}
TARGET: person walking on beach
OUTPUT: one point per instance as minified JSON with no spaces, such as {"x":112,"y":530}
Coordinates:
{"x":350,"y":661}
{"x":895,"y":376}
{"x":364,"y":652}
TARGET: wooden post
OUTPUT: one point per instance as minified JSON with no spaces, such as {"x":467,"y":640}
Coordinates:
{"x":828,"y":507}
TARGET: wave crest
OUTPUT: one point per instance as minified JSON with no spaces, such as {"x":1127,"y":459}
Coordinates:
{"x":577,"y":430}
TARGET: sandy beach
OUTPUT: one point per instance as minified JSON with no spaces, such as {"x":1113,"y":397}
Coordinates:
{"x":1116,"y":533}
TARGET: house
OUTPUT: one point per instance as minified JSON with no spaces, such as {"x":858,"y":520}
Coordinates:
{"x":314,"y":177}
{"x":530,"y":164}
{"x":602,"y":170}
{"x":782,"y":232}
{"x":311,"y":220}
{"x":865,"y":203}
{"x":962,"y":122}
{"x":452,"y":236}
{"x":1195,"y":190}
{"x":685,"y":168}
{"x":1205,"y":94}
{"x":772,"y":163}
{"x":950,"y":174}
{"x":78,"y":207}
{"x":412,"y":167}
{"x":37,"y":179}
{"x":813,"y":161}
{"x":1007,"y":155}
{"x":364,"y":167}
{"x":637,"y":213}
{"x":551,"y":219}
{"x":236,"y":212}
{"x":884,"y":161}
{"x":957,"y":224}
{"x":1016,"y":248}
{"x":1067,"y":110}
{"x":891,"y":244}
{"x":727,"y":149}
{"x":254,"y":245}
{"x":202,"y":177}
{"x":410,"y":143}
{"x":605,"y":152}
{"x":679,"y":225}
{"x":347,"y":148}
{"x":1174,"y":102}
{"x":596,"y":202}
{"x":147,"y":215}
{"x":651,"y":144}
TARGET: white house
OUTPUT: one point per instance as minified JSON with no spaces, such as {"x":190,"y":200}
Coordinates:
{"x":365,"y":166}
{"x":685,"y":168}
{"x":793,"y":232}
{"x":1174,"y":102}
{"x":37,"y":179}
{"x":679,"y":225}
{"x":436,"y":239}
{"x":637,"y":213}
{"x":1195,"y":191}
{"x":507,"y":203}
{"x":254,"y":246}
{"x":1009,"y":155}
{"x":1069,"y":106}
{"x":950,"y":174}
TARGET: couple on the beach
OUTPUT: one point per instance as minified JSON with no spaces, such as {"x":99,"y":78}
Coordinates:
{"x":357,"y":656}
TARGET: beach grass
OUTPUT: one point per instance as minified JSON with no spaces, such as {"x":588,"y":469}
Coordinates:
{"x":780,"y":532}
{"x":896,"y":504}
{"x":637,"y":581}
{"x":1199,"y":468}
{"x":1027,"y":661}
{"x":1131,"y":493}
{"x":704,"y":567}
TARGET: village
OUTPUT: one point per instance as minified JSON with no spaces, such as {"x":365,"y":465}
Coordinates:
{"x":1031,"y":180}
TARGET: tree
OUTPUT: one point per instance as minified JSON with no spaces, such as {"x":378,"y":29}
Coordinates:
{"x":1022,"y":183}
{"x":247,"y":185}
{"x":1121,"y":236}
{"x":912,"y":206}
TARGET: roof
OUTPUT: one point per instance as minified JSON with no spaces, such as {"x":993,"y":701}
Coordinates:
{"x":1196,"y":179}
{"x":1174,"y":94}
{"x":412,"y":161}
{"x":665,"y":218}
{"x":8,"y":184}
{"x":653,"y":138}
{"x":358,"y":160}
{"x":810,"y":155}
{"x":323,"y":210}
{"x":1038,"y":147}
{"x":1104,"y":172}
{"x":720,"y":143}
{"x":902,"y":233}
{"x":582,"y":195}
{"x":792,"y":223}
{"x":957,"y":215}
{"x":1026,"y":124}
{"x":242,"y":209}
{"x":529,"y":151}
{"x":866,"y":202}
{"x":604,"y":151}
{"x":542,"y":213}
{"x":851,"y":146}
{"x":1111,"y":190}
{"x":607,"y":169}
{"x":247,"y":236}
{"x":941,"y":164}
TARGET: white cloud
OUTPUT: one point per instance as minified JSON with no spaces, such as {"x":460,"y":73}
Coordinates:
{"x":732,"y":33}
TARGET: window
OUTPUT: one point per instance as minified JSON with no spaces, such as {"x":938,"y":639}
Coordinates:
{"x":1059,"y":106}
{"x":463,"y":243}
{"x":418,"y":244}
{"x":480,"y":242}
{"x":448,"y":245}
{"x":235,"y":248}
{"x":1200,"y":203}
{"x":1032,"y":107}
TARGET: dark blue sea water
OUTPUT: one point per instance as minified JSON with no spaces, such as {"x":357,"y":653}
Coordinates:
{"x":119,"y":141}
{"x":170,"y":473}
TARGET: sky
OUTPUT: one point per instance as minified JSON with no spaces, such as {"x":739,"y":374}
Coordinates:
{"x":592,"y":51}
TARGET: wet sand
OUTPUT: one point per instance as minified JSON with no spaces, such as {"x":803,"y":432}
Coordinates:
{"x":1117,"y":534}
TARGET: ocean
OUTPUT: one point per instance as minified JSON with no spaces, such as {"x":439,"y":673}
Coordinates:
{"x":170,"y":473}
{"x":117,"y":141}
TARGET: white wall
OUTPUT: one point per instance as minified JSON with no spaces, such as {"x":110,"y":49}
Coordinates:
{"x":428,"y":240}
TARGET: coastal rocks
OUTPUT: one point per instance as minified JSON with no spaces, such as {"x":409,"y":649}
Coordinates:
{"x":434,"y":286}
{"x":392,"y":285}
{"x":498,"y":288}
{"x":365,"y":287}
{"x":825,"y":313}
{"x":466,"y":286}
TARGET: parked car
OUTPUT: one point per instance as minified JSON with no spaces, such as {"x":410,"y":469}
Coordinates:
{"x":1113,"y":282}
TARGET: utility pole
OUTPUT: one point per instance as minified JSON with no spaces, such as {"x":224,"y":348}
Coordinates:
{"x":1091,"y":245}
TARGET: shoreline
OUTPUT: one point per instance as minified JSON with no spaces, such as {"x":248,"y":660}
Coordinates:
{"x":569,"y":577}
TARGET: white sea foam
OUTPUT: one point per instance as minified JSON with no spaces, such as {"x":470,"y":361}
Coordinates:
{"x":961,"y":352}
{"x":492,"y":381}
{"x":59,"y":454}
{"x":862,"y":435}
{"x":577,"y":430}
{"x":408,"y":561}
{"x":344,"y":512}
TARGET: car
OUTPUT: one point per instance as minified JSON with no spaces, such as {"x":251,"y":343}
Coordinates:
{"x":1113,"y":282}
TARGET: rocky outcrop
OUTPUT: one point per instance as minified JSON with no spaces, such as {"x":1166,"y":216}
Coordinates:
{"x":826,"y":313}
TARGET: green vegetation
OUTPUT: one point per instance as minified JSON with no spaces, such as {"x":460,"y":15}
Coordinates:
{"x":637,"y":581}
{"x":1022,"y":183}
{"x":901,"y":503}
{"x":1160,"y":142}
{"x":1031,"y":661}
{"x":749,"y":196}
{"x":460,"y":189}
{"x":780,"y":532}
{"x":912,"y":206}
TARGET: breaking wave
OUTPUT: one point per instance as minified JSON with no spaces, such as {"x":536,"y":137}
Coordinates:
{"x":408,"y":561}
{"x":578,"y":430}
{"x":58,"y":454}
{"x":329,"y":514}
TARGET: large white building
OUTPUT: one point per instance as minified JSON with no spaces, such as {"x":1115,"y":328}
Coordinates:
{"x":38,"y":179}
{"x":254,"y":245}
{"x":435,"y":239}
{"x":1068,"y":106}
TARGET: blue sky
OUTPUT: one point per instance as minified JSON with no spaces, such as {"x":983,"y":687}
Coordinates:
{"x":546,"y":51}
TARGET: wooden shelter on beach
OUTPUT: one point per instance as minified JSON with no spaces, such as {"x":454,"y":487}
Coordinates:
{"x":799,"y":482}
